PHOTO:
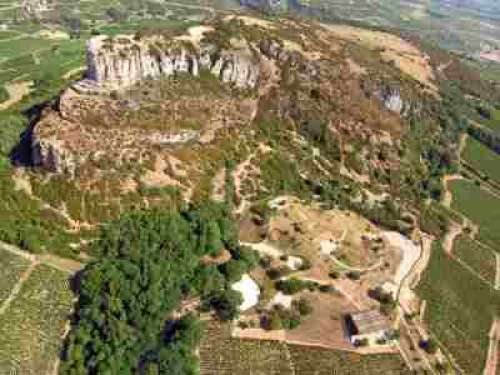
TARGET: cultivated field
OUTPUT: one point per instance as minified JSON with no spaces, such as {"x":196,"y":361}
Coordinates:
{"x":479,"y":258}
{"x":494,"y":121}
{"x":460,"y":309}
{"x":11,"y":268}
{"x":479,"y":205}
{"x":310,"y":361}
{"x":481,"y":158}
{"x":222,"y":355}
{"x":32,"y":324}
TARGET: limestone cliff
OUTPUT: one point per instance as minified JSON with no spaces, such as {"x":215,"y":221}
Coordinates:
{"x":123,"y":61}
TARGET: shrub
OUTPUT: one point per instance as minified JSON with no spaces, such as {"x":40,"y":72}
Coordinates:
{"x":293,"y":286}
{"x":225,"y":303}
{"x":430,"y":345}
{"x":303,"y":306}
{"x":233,"y":270}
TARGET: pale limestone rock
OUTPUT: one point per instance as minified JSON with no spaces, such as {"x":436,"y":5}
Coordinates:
{"x":122,"y":61}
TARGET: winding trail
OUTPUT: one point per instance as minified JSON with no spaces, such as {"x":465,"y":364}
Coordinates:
{"x":497,"y":275}
{"x":448,"y":196}
{"x":453,"y":232}
{"x":491,"y":365}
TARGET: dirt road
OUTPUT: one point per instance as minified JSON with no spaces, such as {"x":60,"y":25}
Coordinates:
{"x":16,"y":92}
{"x":492,"y":359}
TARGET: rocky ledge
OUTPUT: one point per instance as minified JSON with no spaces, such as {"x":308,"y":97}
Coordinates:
{"x":120,"y":62}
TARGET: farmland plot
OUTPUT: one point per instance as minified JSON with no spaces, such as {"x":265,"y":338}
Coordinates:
{"x":220,"y":355}
{"x":481,"y":158}
{"x":460,"y":309}
{"x":479,"y":258}
{"x":480,"y":206}
{"x":11,"y":268}
{"x":31,"y":328}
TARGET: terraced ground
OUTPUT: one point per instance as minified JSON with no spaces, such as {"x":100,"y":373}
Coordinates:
{"x":221,"y":355}
{"x":460,"y":309}
{"x":32,"y":324}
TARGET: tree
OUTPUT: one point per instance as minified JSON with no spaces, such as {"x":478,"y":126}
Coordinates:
{"x":144,"y":263}
{"x":233,"y":270}
{"x":303,"y":306}
{"x":430,"y":345}
{"x":225,"y":303}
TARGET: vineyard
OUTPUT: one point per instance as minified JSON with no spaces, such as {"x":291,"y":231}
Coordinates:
{"x":32,"y":324}
{"x":222,"y":355}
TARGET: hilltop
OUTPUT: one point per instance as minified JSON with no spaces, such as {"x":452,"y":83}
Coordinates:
{"x":315,"y":165}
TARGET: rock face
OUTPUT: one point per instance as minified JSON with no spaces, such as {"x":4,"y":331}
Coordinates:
{"x":391,"y":99}
{"x":123,"y":61}
{"x":32,"y":8}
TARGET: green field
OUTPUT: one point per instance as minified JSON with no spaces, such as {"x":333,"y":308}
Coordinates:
{"x":494,"y":121}
{"x":31,"y":328}
{"x":312,"y":361}
{"x":481,"y":207}
{"x":479,"y":258}
{"x":482,"y":159}
{"x":222,"y":355}
{"x":11,"y":268}
{"x":460,"y":309}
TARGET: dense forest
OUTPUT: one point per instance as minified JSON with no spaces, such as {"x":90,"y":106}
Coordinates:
{"x":148,"y":262}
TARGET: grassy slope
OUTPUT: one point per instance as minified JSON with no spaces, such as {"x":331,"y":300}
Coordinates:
{"x":460,"y":309}
{"x":481,"y":207}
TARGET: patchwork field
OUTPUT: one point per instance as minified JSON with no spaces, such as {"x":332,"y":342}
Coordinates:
{"x":32,"y":324}
{"x":494,"y":121}
{"x":11,"y":268}
{"x":479,"y":258}
{"x":479,"y":205}
{"x":460,"y":309}
{"x":481,"y":158}
{"x":221,"y":355}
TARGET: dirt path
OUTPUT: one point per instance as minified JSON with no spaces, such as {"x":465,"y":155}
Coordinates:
{"x":17,"y":288}
{"x":54,"y":261}
{"x":422,"y":354}
{"x":72,"y":72}
{"x":449,"y":239}
{"x":491,"y":365}
{"x":448,"y":196}
{"x":16,"y":92}
{"x":497,"y":275}
{"x":189,"y":6}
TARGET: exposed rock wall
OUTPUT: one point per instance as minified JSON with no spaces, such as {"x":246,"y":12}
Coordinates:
{"x":33,"y":8}
{"x":121,"y":62}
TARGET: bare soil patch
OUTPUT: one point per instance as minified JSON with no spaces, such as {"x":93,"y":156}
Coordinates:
{"x":402,"y":54}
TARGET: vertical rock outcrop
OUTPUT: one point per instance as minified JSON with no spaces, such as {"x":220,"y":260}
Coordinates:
{"x":123,"y":61}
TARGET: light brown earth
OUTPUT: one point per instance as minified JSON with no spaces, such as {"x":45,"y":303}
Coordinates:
{"x":408,"y":58}
{"x":16,"y":91}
